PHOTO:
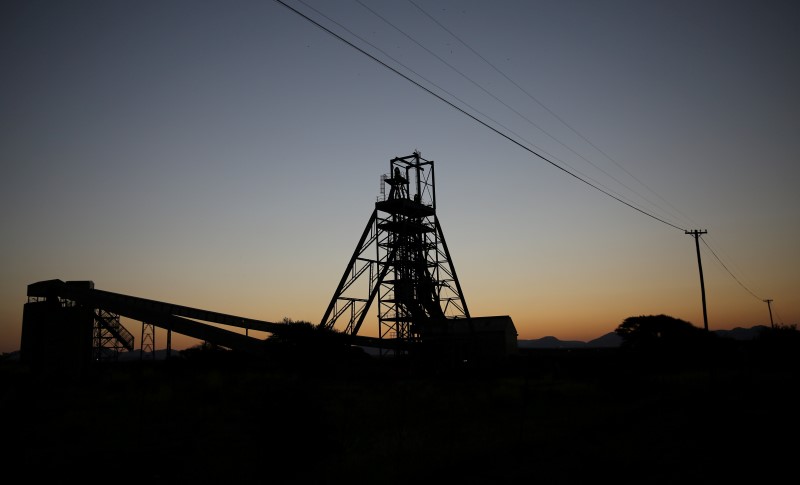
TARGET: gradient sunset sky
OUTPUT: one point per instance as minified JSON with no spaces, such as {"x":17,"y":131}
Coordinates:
{"x":226,"y":155}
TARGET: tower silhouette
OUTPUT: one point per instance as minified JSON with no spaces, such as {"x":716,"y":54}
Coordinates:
{"x":401,"y":260}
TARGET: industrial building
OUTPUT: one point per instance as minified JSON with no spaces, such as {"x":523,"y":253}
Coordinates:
{"x":401,"y":267}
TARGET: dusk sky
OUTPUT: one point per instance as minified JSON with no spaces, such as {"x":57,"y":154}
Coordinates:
{"x":227,"y":155}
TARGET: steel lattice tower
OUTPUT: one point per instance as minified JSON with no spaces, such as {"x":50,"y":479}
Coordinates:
{"x":402,"y":260}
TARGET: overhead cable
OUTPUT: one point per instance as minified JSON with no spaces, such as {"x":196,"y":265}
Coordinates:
{"x":556,"y":116}
{"x":475,"y":118}
{"x":729,"y":271}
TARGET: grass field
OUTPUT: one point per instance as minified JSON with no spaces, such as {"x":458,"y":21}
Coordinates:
{"x":548,"y":417}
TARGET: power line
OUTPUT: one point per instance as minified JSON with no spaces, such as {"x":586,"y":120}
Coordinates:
{"x":729,"y":271}
{"x":504,"y":135}
{"x":475,"y":118}
{"x":778,"y":316}
{"x":570,"y":127}
{"x":531,"y":122}
{"x":431,"y":83}
{"x":540,"y":104}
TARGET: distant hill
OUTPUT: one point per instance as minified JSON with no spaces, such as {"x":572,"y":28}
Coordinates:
{"x":740,"y":333}
{"x":608,"y":340}
{"x":611,"y":339}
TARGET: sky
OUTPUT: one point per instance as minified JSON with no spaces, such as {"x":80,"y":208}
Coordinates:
{"x":227,"y":155}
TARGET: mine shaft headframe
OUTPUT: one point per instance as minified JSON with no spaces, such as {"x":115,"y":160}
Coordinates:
{"x":401,"y":260}
{"x":412,"y":178}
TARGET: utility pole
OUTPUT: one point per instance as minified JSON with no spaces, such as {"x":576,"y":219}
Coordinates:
{"x":696,"y":233}
{"x":771,"y":323}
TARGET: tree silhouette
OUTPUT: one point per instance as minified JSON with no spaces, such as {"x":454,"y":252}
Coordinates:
{"x":778,"y":346}
{"x":303,"y":342}
{"x":666,"y":341}
{"x":658,"y":332}
{"x":302,"y":334}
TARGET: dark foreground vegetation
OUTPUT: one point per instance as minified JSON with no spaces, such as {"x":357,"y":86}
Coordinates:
{"x":661,"y":411}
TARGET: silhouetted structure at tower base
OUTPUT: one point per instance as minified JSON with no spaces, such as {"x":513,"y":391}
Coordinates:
{"x":56,"y":335}
{"x":475,"y":341}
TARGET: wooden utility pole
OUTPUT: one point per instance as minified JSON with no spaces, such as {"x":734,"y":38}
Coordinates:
{"x":771,"y":323}
{"x":696,"y":233}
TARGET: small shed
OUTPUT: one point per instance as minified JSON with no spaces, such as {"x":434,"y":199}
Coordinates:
{"x":476,"y":340}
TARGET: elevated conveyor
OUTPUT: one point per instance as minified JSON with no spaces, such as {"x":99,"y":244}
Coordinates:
{"x":58,"y":313}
